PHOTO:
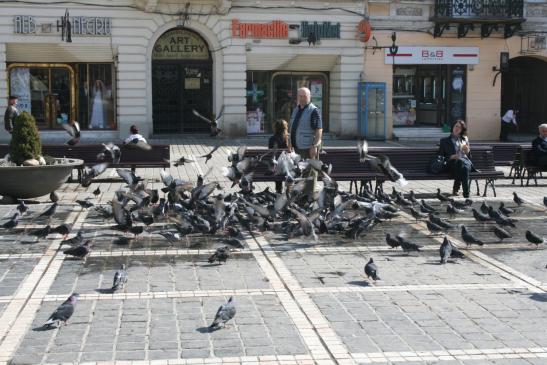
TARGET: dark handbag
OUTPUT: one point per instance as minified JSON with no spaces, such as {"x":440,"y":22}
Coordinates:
{"x":437,"y":164}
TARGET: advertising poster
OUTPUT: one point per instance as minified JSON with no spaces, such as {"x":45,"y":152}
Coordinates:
{"x":254,"y":121}
{"x":316,"y":91}
{"x":20,"y":87}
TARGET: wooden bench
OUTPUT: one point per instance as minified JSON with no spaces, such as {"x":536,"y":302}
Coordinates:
{"x":528,"y":168}
{"x":158,"y":156}
{"x":412,"y":162}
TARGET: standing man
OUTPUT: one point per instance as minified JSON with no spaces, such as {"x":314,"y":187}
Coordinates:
{"x":306,"y":130}
{"x":539,"y":147}
{"x":11,"y":113}
{"x":509,"y":117}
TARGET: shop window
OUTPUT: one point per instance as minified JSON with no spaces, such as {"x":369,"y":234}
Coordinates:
{"x":258,"y":117}
{"x":96,"y":95}
{"x":404,"y":99}
{"x":44,"y":90}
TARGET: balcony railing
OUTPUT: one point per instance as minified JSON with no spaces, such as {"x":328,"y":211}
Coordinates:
{"x":479,"y":9}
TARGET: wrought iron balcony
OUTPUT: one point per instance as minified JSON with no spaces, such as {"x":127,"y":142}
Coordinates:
{"x":490,"y":14}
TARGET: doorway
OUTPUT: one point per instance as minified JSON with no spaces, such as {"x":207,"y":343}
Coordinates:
{"x":181,"y":82}
{"x":524,"y":87}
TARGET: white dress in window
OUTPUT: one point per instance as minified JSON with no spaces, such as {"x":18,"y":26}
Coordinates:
{"x":97,"y":111}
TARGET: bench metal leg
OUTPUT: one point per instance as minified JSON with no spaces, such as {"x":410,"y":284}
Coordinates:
{"x":532,"y":175}
{"x":491,"y":183}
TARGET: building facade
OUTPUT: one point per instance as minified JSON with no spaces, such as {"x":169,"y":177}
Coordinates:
{"x":447,"y":64}
{"x":152,"y":63}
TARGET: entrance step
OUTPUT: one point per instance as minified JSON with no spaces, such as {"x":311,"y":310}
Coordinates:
{"x":418,"y":134}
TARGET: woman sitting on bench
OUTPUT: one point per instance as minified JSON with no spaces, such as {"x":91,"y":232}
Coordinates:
{"x":456,"y":149}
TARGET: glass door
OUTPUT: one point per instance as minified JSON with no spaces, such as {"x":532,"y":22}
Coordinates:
{"x":428,"y":94}
{"x":285,"y":86}
{"x":372,"y":110}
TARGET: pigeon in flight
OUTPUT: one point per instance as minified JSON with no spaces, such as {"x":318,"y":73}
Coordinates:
{"x":224,"y":314}
{"x":213,"y":124}
{"x":63,"y":312}
{"x":371,"y":270}
{"x":120,"y":279}
{"x":73,"y":129}
{"x":181,"y":161}
{"x":210,"y":154}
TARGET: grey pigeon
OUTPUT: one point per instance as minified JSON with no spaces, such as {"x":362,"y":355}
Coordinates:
{"x":84,"y":203}
{"x":448,"y":250}
{"x":49,"y":211}
{"x":468,"y":238}
{"x":41,"y":232}
{"x":221,"y":255}
{"x":479,"y":217}
{"x":534,"y":238}
{"x":120,"y":279}
{"x":54,"y":197}
{"x":441,"y":196}
{"x":417,"y":215}
{"x":433,"y":227}
{"x":426,"y":208}
{"x":545,"y":201}
{"x":79,"y":251}
{"x":371,"y":270}
{"x":181,"y":161}
{"x":172,"y":237}
{"x":392,"y":242}
{"x":63,"y":229}
{"x":452,"y":210}
{"x":408,"y":246}
{"x":213,"y":124}
{"x":63,"y":312}
{"x":503,"y":209}
{"x":13,"y":222}
{"x":501,"y":233}
{"x":74,"y":241}
{"x":485,"y":207}
{"x":224,"y":314}
{"x":22,"y":207}
{"x":73,"y":129}
{"x":517,"y":199}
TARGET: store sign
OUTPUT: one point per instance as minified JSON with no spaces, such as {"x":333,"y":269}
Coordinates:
{"x":324,"y":30}
{"x":275,"y":29}
{"x":80,"y":25}
{"x":180,"y":44}
{"x":433,"y":55}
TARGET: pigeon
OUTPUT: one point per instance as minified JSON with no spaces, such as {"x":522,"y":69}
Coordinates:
{"x":224,"y":314}
{"x":461,"y":205}
{"x":452,"y":210}
{"x":371,"y":270}
{"x":173,"y":238}
{"x":84,"y":203}
{"x":479,"y":217}
{"x":433,"y":227}
{"x":545,"y":201}
{"x":41,"y":232}
{"x":484,"y":207}
{"x":383,"y":165}
{"x":63,"y":312}
{"x":362,"y":149}
{"x":113,"y":151}
{"x":90,"y":173}
{"x":73,"y":129}
{"x":417,"y":215}
{"x":412,"y":197}
{"x":54,"y":197}
{"x":221,"y":255}
{"x":181,"y":161}
{"x":97,"y":192}
{"x":534,"y":238}
{"x":426,"y":208}
{"x":517,"y":199}
{"x":13,"y":222}
{"x":441,"y":196}
{"x":468,"y":238}
{"x":392,"y":242}
{"x":234,"y":242}
{"x":64,"y":229}
{"x":79,"y":251}
{"x":49,"y":211}
{"x":448,"y":250}
{"x":501,"y":233}
{"x":213,"y":124}
{"x":443,"y":223}
{"x":74,"y":241}
{"x":505,"y":210}
{"x":210,"y":154}
{"x":22,"y":207}
{"x":407,"y":246}
{"x":120,"y":279}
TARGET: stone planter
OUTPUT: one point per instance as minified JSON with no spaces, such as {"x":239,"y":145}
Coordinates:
{"x":34,"y":181}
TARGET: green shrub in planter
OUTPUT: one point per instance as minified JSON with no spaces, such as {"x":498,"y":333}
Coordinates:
{"x":25,"y":139}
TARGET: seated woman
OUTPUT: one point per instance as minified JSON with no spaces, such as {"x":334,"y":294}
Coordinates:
{"x":539,"y":147}
{"x":456,"y":149}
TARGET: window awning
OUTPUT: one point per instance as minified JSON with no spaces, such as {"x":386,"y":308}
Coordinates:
{"x":57,"y":52}
{"x":285,"y":62}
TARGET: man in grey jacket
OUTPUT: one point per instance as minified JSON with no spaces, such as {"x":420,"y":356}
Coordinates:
{"x":11,"y":113}
{"x":306,"y":129}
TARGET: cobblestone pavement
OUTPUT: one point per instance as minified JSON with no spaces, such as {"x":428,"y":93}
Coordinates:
{"x":298,"y":301}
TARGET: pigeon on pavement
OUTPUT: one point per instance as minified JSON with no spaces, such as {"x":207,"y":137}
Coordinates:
{"x":120,"y":279}
{"x":63,"y":312}
{"x":224,"y":314}
{"x":371,"y":270}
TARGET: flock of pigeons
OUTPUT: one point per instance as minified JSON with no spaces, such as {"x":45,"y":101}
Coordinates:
{"x":202,"y":207}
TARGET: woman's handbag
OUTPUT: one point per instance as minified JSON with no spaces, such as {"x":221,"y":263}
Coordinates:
{"x":437,"y":164}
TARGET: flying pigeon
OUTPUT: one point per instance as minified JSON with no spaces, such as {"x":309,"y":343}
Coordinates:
{"x":209,"y":155}
{"x":371,"y":270}
{"x":63,"y":312}
{"x":224,"y":314}
{"x":73,"y":129}
{"x":362,"y":149}
{"x":213,"y":124}
{"x":181,"y":161}
{"x":113,"y":151}
{"x":90,"y":173}
{"x":120,"y":279}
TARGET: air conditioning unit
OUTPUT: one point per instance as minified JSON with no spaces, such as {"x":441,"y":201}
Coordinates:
{"x":537,"y":42}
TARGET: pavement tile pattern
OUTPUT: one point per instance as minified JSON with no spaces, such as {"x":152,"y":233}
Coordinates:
{"x":298,"y":301}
